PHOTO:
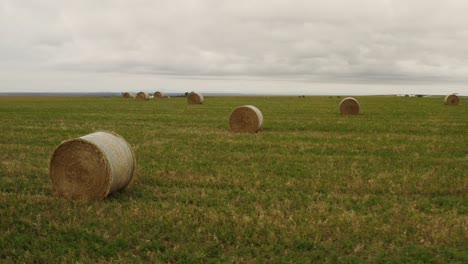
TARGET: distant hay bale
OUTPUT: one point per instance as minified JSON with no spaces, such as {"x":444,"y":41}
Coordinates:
{"x":128,"y":95}
{"x":452,"y":99}
{"x":195,"y":98}
{"x":349,"y":106}
{"x":247,"y":118}
{"x":92,"y":166}
{"x":159,"y":95}
{"x":142,"y":96}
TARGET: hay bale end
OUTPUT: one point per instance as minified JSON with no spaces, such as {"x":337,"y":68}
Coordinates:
{"x":349,"y":106}
{"x":195,"y":98}
{"x":159,"y":95}
{"x":92,"y":166}
{"x":246,"y":118}
{"x":128,"y":95}
{"x":142,"y":96}
{"x":452,"y":99}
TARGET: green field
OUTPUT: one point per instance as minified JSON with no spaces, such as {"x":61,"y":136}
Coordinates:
{"x":388,"y":185}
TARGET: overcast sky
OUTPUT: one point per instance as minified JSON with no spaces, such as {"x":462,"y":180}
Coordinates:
{"x":255,"y":46}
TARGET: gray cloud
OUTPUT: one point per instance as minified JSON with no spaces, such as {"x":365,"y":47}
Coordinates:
{"x":362,"y":41}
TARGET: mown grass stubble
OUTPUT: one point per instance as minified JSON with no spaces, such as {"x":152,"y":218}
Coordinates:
{"x":387,"y":185}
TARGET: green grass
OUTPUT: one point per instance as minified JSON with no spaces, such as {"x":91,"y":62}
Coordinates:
{"x":389,"y":185}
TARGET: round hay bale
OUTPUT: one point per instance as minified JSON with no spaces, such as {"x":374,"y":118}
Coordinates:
{"x":128,"y":95}
{"x":246,"y":118}
{"x":195,"y":98}
{"x":349,"y":106}
{"x":142,"y":96}
{"x":159,"y":95}
{"x":92,"y":166}
{"x":452,"y":99}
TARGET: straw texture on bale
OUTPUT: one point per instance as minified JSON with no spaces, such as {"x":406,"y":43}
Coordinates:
{"x":452,"y":99}
{"x":195,"y":98}
{"x":349,"y":106}
{"x":142,"y":96}
{"x":246,"y":118}
{"x":159,"y":95}
{"x":92,"y":166}
{"x":128,"y":95}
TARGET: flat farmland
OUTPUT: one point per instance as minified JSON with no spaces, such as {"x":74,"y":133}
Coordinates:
{"x":388,"y":185}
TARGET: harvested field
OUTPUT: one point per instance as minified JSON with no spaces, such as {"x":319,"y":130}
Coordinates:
{"x":389,"y":185}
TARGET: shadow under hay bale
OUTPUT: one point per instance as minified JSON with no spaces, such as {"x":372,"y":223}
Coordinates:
{"x":349,"y":106}
{"x":142,"y":96}
{"x":128,"y":95}
{"x":247,"y":118}
{"x":92,"y":166}
{"x":452,"y":99}
{"x":195,"y":98}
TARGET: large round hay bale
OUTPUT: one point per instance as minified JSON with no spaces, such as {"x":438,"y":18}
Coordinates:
{"x":159,"y":95}
{"x":142,"y":96}
{"x":452,"y":99}
{"x":92,"y":166}
{"x":349,"y":106}
{"x":246,"y":118}
{"x":195,"y":98}
{"x":128,"y":95}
